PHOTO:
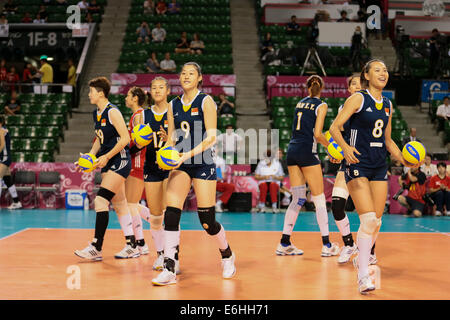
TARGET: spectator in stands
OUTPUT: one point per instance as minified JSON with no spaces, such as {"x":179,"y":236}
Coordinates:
{"x":226,"y":188}
{"x":428,"y":168}
{"x":269,"y":174}
{"x":286,"y":197}
{"x":158,"y":33}
{"x":230,"y":142}
{"x":152,"y":64}
{"x":225,"y":107}
{"x":71,"y":73}
{"x":143,"y":32}
{"x":27,"y":77}
{"x":362,"y":17}
{"x":293,"y":27}
{"x":174,"y":7}
{"x":89,"y":18}
{"x":414,"y":181}
{"x":38,"y":19}
{"x":395,"y":168}
{"x":434,"y":53}
{"x":168,"y":65}
{"x":61,"y":2}
{"x":343,"y":17}
{"x":94,"y":7}
{"x":149,"y":7}
{"x":12,"y":78}
{"x":13,"y":106}
{"x":440,"y":190}
{"x":10,"y":7}
{"x":46,"y":75}
{"x":27,"y":18}
{"x":355,"y":49}
{"x":3,"y":71}
{"x":161,"y":7}
{"x":267,"y":47}
{"x":84,"y":5}
{"x":43,"y":12}
{"x":182,"y":44}
{"x":197,"y":46}
{"x":3,"y":19}
{"x":412,"y":136}
{"x":443,"y":114}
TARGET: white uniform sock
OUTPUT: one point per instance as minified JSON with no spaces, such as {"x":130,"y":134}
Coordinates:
{"x":144,"y":212}
{"x":221,"y":239}
{"x":344,"y":226}
{"x":172,"y":239}
{"x":298,"y":200}
{"x":126,"y":223}
{"x":321,"y":213}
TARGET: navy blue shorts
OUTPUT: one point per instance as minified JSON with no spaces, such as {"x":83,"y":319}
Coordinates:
{"x":7,"y":162}
{"x":298,"y":157}
{"x":353,"y":171}
{"x":342,"y":167}
{"x":155,"y":174}
{"x":200,"y":171}
{"x":119,"y":166}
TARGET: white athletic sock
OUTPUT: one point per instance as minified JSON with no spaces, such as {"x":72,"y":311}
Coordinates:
{"x":298,"y":199}
{"x":172,"y":239}
{"x":137,"y":227}
{"x":364,"y":246}
{"x":321,"y":213}
{"x":344,"y":226}
{"x":158,"y":239}
{"x":12,"y":190}
{"x":126,"y":223}
{"x":221,"y":239}
{"x":144,"y":212}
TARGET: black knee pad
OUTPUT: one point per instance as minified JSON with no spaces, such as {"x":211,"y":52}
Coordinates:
{"x":8,"y":181}
{"x":172,"y":218}
{"x":106,"y":194}
{"x":207,"y":218}
{"x":338,"y":208}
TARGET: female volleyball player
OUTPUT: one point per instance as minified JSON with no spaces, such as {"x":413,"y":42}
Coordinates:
{"x":113,"y":157}
{"x":304,"y":167}
{"x":134,"y":185}
{"x":5,"y":162}
{"x":192,"y":118}
{"x":369,"y":115}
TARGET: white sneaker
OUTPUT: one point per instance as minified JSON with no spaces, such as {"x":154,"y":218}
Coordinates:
{"x":158,"y":265}
{"x":219,"y":207}
{"x":165,"y":278}
{"x":177,"y":267}
{"x":331,"y":251}
{"x":365,"y":285}
{"x":438,"y":213}
{"x":346,"y":253}
{"x":128,"y":252}
{"x":261,"y":209}
{"x":143,"y":249}
{"x":89,"y":253}
{"x":15,"y":205}
{"x":372,"y":260}
{"x":447,"y":213}
{"x":290,"y":250}
{"x":229,"y":269}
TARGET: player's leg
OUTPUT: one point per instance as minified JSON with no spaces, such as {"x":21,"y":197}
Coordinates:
{"x":314,"y":178}
{"x":134,"y":188}
{"x":298,"y":189}
{"x":5,"y":174}
{"x":263,"y":188}
{"x":205,"y":191}
{"x":379,"y":196}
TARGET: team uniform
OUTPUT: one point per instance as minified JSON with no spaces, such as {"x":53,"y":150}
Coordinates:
{"x":302,"y":149}
{"x":366,"y":133}
{"x":5,"y":154}
{"x":108,"y":137}
{"x":190,"y":127}
{"x":345,"y":136}
{"x":138,"y":158}
{"x":152,"y":172}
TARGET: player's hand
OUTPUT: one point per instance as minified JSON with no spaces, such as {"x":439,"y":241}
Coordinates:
{"x":101,"y":162}
{"x":349,"y":154}
{"x":409,"y":165}
{"x":183,"y":158}
{"x":162,"y":134}
{"x":77,"y":167}
{"x":333,"y":160}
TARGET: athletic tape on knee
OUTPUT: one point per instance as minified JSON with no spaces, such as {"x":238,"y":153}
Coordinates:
{"x":299,"y":195}
{"x":121,"y":207}
{"x":340,"y":192}
{"x":101,"y":204}
{"x":156,"y":222}
{"x":172,"y":218}
{"x":369,"y":224}
{"x":207,"y":218}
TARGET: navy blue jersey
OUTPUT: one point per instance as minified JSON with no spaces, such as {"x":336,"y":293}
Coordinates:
{"x":190,"y":127}
{"x":5,"y":154}
{"x":366,"y":129}
{"x":106,"y":133}
{"x":155,"y":121}
{"x":346,"y":132}
{"x":305,"y":116}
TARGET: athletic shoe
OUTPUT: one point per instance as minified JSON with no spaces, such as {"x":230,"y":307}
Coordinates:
{"x":158,"y":265}
{"x":346,"y":253}
{"x":331,"y":251}
{"x":128,"y":252}
{"x":143,"y":249}
{"x":15,"y":205}
{"x":373,"y":259}
{"x":447,"y":213}
{"x":229,"y":269}
{"x":438,"y":213}
{"x":89,"y":253}
{"x":165,"y":278}
{"x":289,"y":250}
{"x":365,"y":285}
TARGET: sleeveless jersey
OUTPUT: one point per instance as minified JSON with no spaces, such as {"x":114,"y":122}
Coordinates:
{"x":366,"y":130}
{"x":190,"y":127}
{"x":345,"y":133}
{"x":305,"y":116}
{"x":155,"y":121}
{"x":106,"y":133}
{"x":5,"y":154}
{"x":138,"y":158}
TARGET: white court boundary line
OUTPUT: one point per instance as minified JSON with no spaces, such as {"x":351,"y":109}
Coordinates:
{"x":432,"y":230}
{"x":13,"y":234}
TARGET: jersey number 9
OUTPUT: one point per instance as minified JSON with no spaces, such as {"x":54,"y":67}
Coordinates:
{"x":186,"y":128}
{"x":99,"y":134}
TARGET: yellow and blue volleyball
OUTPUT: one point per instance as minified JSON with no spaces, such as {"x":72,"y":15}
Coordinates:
{"x":328,"y":136}
{"x":167,"y":158}
{"x":335,"y":151}
{"x":86,"y":162}
{"x":414,"y":152}
{"x":142,"y":134}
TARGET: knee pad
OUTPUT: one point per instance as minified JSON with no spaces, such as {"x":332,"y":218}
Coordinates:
{"x":338,"y":208}
{"x":319,"y":201}
{"x":103,"y":199}
{"x":121,"y":207}
{"x":156,"y":222}
{"x":207,"y":218}
{"x":8,"y":181}
{"x":172,"y":218}
{"x":299,"y":195}
{"x":340,"y":192}
{"x":369,"y":224}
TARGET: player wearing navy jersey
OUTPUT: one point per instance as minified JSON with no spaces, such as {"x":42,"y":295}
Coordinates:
{"x":365,"y":154}
{"x":304,"y":167}
{"x":5,"y":162}
{"x":111,"y":148}
{"x":192,"y":120}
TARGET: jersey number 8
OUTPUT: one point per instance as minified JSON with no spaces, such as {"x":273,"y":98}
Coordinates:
{"x":378,"y":128}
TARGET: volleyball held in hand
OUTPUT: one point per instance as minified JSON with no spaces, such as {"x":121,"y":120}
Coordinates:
{"x":414,"y":152}
{"x":328,"y":136}
{"x":87,"y":161}
{"x":167,"y":158}
{"x":142,"y":134}
{"x":335,"y":151}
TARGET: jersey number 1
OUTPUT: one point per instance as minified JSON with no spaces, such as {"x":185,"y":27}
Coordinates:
{"x":299,"y":117}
